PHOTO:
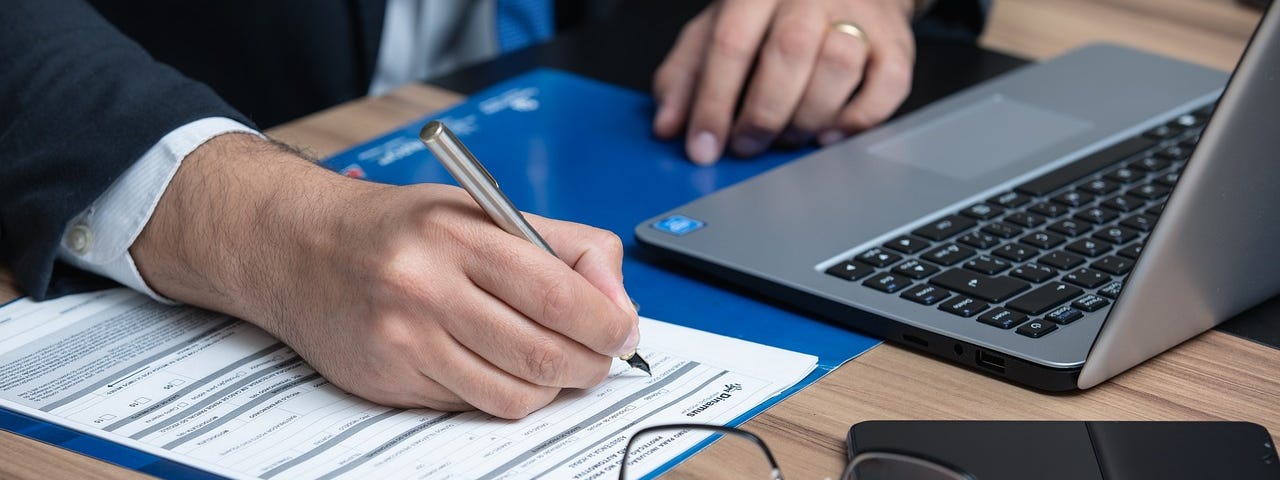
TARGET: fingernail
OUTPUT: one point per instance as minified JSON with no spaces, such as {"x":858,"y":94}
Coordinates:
{"x":703,"y":148}
{"x":747,"y":145}
{"x":830,"y":136}
{"x":633,"y":341}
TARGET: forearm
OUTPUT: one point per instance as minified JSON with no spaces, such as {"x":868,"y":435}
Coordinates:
{"x":223,"y":233}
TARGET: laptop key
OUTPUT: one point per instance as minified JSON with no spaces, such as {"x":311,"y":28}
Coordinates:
{"x":1049,"y":209}
{"x":1002,"y":318}
{"x":948,"y":255}
{"x":926,"y":294}
{"x":1009,"y":200}
{"x":1124,"y":175}
{"x":1124,"y":203}
{"x":946,"y":227}
{"x":878,"y":257}
{"x":1002,"y":230}
{"x":1150,"y":164}
{"x":908,"y":244}
{"x":1033,"y":272}
{"x":1113,"y":265}
{"x":1071,"y":228}
{"x":1150,"y":192}
{"x":987,"y":265}
{"x":1090,"y":303}
{"x":850,"y":270}
{"x":1037,"y":328}
{"x":1173,"y":153}
{"x":1015,"y":252}
{"x":1116,"y":234}
{"x":1089,"y":246}
{"x":1112,"y":290}
{"x":979,"y":240}
{"x":1131,"y":252}
{"x":1044,"y":298}
{"x":1162,"y":132}
{"x":915,"y":269}
{"x":982,"y":211}
{"x":1097,"y":215}
{"x":1064,"y":315}
{"x":1061,"y":260}
{"x":963,"y":306}
{"x":1073,"y":198}
{"x":991,"y":289}
{"x":1140,"y":221}
{"x":1156,"y":210}
{"x":1026,"y":219}
{"x":1086,"y":277}
{"x":888,"y":282}
{"x":1099,"y":186}
{"x":1044,"y":240}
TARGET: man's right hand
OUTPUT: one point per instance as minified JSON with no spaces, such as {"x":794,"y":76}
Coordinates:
{"x":406,"y":296}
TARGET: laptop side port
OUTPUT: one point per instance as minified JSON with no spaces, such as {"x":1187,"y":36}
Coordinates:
{"x":990,"y":361}
{"x":909,"y":338}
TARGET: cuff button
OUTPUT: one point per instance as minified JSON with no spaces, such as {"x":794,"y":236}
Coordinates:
{"x":79,"y":239}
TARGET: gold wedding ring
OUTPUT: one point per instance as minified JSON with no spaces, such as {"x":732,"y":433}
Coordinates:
{"x":851,"y":29}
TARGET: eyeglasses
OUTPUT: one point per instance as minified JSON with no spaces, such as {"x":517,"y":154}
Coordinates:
{"x":868,"y":465}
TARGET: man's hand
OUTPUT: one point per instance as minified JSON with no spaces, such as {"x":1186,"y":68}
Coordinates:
{"x":804,"y":73}
{"x":406,"y":296}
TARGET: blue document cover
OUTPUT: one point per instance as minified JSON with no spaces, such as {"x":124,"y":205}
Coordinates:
{"x":571,"y":148}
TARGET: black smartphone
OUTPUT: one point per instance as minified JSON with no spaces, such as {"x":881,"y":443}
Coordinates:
{"x":1080,"y":450}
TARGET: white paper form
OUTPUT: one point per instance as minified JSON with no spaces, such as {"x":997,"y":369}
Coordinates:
{"x":222,"y":395}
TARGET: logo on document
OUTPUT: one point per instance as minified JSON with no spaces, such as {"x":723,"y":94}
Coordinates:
{"x":678,"y":225}
{"x":353,"y":171}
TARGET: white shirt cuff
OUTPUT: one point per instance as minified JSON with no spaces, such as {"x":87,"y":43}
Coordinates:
{"x":98,"y":239}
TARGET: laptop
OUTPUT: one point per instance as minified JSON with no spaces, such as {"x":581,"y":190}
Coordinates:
{"x":1054,"y":226}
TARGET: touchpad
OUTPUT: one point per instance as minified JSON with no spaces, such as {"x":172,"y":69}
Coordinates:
{"x":979,"y":138}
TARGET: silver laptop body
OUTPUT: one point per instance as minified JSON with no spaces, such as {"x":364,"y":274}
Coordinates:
{"x":822,"y":232}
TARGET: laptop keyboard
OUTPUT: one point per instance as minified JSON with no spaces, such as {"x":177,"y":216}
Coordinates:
{"x":1037,"y":258}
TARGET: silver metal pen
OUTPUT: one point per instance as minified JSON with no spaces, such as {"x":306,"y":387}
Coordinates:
{"x":477,"y":181}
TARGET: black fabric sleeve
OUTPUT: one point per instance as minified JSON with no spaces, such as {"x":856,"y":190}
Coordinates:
{"x":79,"y":103}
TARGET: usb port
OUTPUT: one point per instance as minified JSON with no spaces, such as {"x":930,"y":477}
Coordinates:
{"x":990,"y":361}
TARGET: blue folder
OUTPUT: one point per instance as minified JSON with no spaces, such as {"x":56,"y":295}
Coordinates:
{"x":571,"y":148}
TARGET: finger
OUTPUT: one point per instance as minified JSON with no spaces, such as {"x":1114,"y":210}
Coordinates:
{"x":735,"y":37}
{"x":675,"y":79}
{"x":594,"y":253}
{"x":517,"y":345}
{"x":547,"y":291}
{"x":837,"y":72}
{"x":887,"y":83}
{"x":786,"y":60}
{"x":482,"y":385}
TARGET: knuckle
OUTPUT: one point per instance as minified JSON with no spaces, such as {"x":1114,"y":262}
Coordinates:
{"x":897,"y":73}
{"x":557,"y":302}
{"x":732,"y":43}
{"x":546,"y":364}
{"x":522,"y":401}
{"x":793,"y":43}
{"x":842,"y":57}
{"x":609,"y":243}
{"x":763,"y":119}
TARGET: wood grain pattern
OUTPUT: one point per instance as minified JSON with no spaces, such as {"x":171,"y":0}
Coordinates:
{"x":1212,"y":377}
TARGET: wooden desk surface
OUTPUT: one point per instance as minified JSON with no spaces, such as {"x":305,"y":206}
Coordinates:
{"x":1212,"y":377}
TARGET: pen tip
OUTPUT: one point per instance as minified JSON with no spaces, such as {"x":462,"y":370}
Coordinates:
{"x":636,"y":362}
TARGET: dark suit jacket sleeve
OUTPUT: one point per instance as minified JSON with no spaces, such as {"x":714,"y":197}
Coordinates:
{"x":79,"y":103}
